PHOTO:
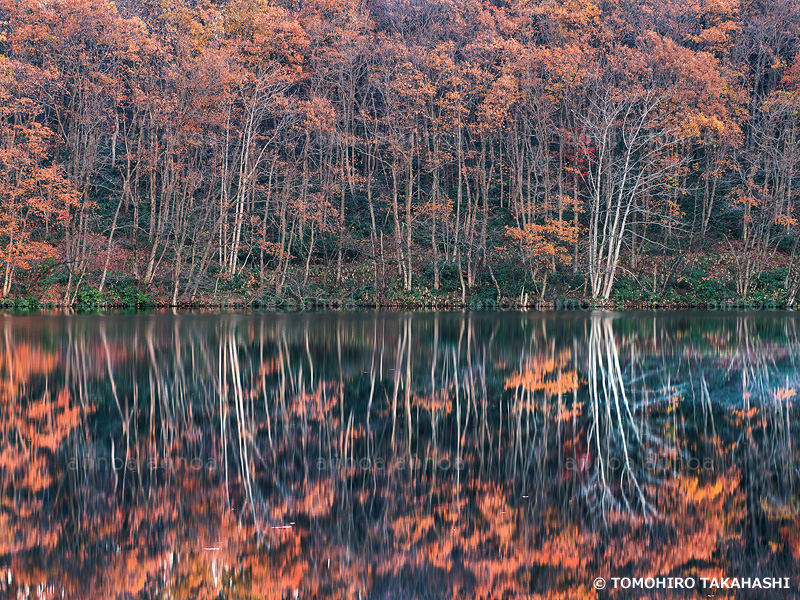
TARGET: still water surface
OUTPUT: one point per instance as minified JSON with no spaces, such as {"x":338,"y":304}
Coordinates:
{"x":396,"y":455}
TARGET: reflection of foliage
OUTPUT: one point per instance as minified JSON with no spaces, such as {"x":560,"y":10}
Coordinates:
{"x":32,"y":429}
{"x":391,"y":455}
{"x":551,"y":376}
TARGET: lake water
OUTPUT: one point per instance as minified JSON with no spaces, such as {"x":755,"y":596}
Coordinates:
{"x":398,"y":455}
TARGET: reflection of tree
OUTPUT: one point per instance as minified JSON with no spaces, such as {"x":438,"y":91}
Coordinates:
{"x":33,"y":425}
{"x":325,"y":451}
{"x":612,"y":419}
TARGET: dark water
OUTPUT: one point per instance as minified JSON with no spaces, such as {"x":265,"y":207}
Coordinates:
{"x":398,"y":455}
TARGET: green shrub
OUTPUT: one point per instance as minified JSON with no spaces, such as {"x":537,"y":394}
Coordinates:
{"x":28,"y":303}
{"x":627,"y":289}
{"x":124,"y":291}
{"x":88,"y":297}
{"x":698,"y":287}
{"x":769,"y":285}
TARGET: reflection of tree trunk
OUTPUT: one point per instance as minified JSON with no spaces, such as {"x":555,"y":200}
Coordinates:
{"x":397,"y":378}
{"x":407,"y":383}
{"x":607,"y":388}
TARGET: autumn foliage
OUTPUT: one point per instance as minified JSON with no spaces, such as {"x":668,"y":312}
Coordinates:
{"x":279,"y":148}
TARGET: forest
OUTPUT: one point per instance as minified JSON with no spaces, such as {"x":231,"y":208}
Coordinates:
{"x":399,"y":152}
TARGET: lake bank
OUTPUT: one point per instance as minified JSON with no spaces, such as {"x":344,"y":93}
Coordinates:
{"x":704,"y":285}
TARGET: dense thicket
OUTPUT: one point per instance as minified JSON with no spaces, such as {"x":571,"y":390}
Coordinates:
{"x":393,"y":147}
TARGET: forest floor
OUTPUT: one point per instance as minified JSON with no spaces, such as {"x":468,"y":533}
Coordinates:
{"x":691,"y":280}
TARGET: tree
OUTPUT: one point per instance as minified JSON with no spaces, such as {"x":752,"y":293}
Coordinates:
{"x":35,"y":197}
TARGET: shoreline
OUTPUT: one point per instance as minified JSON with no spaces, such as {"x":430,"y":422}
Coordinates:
{"x":288,"y":305}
